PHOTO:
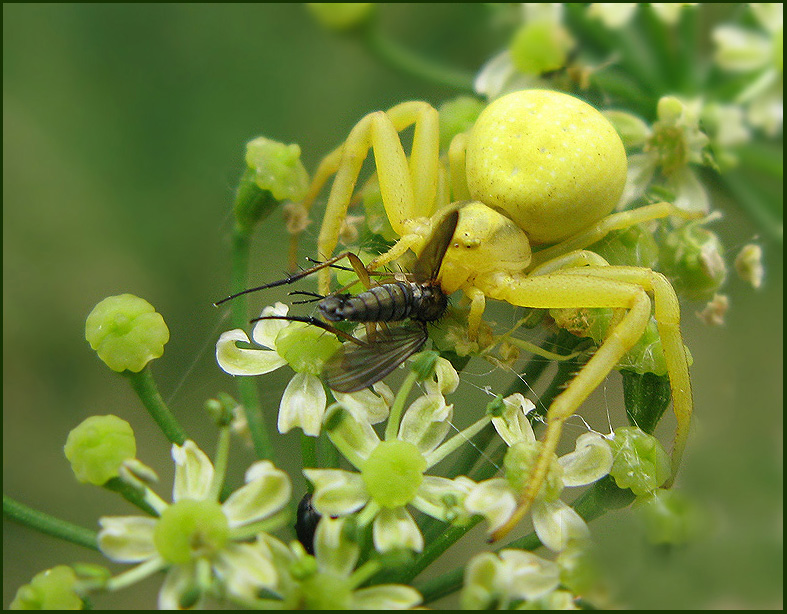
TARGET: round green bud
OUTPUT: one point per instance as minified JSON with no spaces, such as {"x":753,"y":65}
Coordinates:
{"x":519,"y":462}
{"x":540,"y":46}
{"x":692,"y":257}
{"x":669,"y":517}
{"x":632,"y":246}
{"x":97,"y":448}
{"x":341,"y":16}
{"x":633,"y":131}
{"x":306,"y":348}
{"x":641,"y":463}
{"x":52,"y":589}
{"x":456,"y":116}
{"x":393,"y":472}
{"x":126,"y":332}
{"x":327,"y":591}
{"x":190,"y":529}
{"x":278,"y":168}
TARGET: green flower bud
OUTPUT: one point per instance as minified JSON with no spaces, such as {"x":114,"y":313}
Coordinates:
{"x":456,"y":116}
{"x":277,"y":168}
{"x":641,"y":463}
{"x":692,"y":257}
{"x":327,"y":591}
{"x":519,"y":461}
{"x":633,"y":246}
{"x":633,"y":131}
{"x":393,"y":472}
{"x":97,"y":448}
{"x":126,"y":332}
{"x":647,"y":354}
{"x":341,"y":16}
{"x":424,"y":364}
{"x":190,"y":529}
{"x":306,"y":348}
{"x":669,"y":517}
{"x":540,"y":46}
{"x":52,"y":589}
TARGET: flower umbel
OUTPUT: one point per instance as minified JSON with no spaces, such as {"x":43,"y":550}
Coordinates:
{"x":199,"y":541}
{"x":556,"y":524}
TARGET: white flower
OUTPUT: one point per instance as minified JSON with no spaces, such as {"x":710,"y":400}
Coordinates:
{"x":329,"y":580}
{"x":305,"y":348}
{"x":617,"y":15}
{"x":555,"y":523}
{"x":196,"y":539}
{"x":760,"y":54}
{"x":493,"y":581}
{"x":391,"y":472}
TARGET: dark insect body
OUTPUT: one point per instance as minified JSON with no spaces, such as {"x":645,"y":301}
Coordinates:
{"x":363,"y":362}
{"x":306,"y":521}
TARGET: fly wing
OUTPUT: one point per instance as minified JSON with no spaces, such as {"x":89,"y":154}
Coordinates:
{"x":428,"y":264}
{"x":356,"y":367}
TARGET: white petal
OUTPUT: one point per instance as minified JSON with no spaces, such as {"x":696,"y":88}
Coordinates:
{"x":444,"y":380}
{"x":443,"y":498}
{"x":245,"y":569}
{"x":302,"y":404}
{"x":337,"y":492}
{"x":333,"y":553}
{"x":612,"y":14}
{"x":591,"y":461}
{"x":690,"y":193}
{"x":193,"y":472}
{"x":426,"y":422}
{"x":513,"y":426}
{"x":386,"y":597}
{"x":557,"y":525}
{"x":641,"y":168}
{"x":178,"y":580}
{"x":740,"y":50}
{"x":240,"y":361}
{"x":127,"y":539}
{"x":352,"y":432}
{"x":494,"y":500}
{"x":395,"y":528}
{"x":268,"y":490}
{"x":265,"y":331}
{"x":529,"y":576}
{"x":365,"y":405}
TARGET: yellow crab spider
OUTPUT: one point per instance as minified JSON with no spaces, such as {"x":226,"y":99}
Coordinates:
{"x":538,"y":168}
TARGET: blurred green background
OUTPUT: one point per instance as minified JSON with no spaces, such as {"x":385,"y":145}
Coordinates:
{"x":124,"y":132}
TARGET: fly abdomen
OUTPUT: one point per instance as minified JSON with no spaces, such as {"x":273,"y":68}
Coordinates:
{"x":384,"y":303}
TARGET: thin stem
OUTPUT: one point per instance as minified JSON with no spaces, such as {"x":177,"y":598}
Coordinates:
{"x":145,"y":387}
{"x":134,"y":495}
{"x":308,"y":450}
{"x":405,"y":61}
{"x":247,"y":388}
{"x":457,"y":440}
{"x":220,"y":463}
{"x":50,"y":525}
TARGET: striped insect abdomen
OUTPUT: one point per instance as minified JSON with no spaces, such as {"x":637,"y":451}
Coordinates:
{"x":386,"y":303}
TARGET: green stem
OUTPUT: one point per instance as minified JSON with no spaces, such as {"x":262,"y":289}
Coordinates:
{"x":308,"y":450}
{"x":145,"y":387}
{"x":50,"y":525}
{"x":133,"y":495}
{"x":247,"y":388}
{"x":220,"y":463}
{"x":409,"y":63}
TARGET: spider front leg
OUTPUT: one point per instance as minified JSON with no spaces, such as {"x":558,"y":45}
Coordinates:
{"x":614,"y":287}
{"x":408,"y":188}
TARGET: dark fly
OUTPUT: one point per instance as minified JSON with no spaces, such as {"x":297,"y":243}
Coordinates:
{"x":363,"y":362}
